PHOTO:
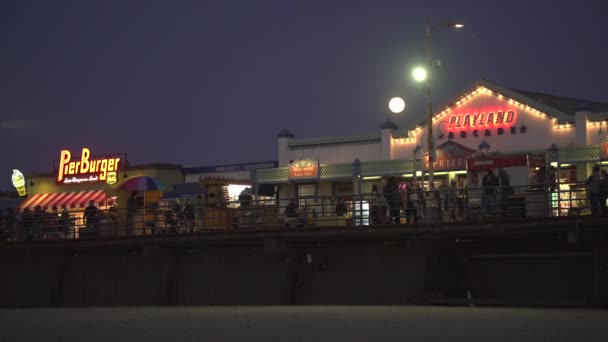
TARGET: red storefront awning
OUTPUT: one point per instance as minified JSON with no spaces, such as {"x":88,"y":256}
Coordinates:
{"x":66,"y":200}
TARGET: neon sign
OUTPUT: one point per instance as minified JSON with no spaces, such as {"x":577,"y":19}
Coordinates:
{"x":304,"y":168}
{"x":19,"y":182}
{"x":483,"y":123}
{"x":86,"y":169}
{"x":488,"y":119}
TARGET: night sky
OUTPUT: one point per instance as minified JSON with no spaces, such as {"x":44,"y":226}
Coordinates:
{"x":212,"y":82}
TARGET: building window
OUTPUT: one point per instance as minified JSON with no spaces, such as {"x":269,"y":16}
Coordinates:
{"x":306,"y":193}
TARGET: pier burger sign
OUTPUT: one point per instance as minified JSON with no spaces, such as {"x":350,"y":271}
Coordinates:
{"x":88,"y":169}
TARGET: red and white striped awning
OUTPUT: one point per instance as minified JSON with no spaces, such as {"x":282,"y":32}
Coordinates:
{"x":66,"y":200}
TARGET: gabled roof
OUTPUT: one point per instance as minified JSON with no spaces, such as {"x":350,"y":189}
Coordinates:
{"x":567,"y":105}
{"x":559,"y":107}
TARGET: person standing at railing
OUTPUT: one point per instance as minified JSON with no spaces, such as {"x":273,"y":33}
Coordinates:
{"x":198,"y":212}
{"x":55,"y":231}
{"x":27,"y":224}
{"x":291,"y":213}
{"x":131,"y":212}
{"x":551,"y":181}
{"x":65,"y":221}
{"x":420,"y":203}
{"x":489,"y":184}
{"x":91,"y":218}
{"x":505,"y":193}
{"x":341,"y":208}
{"x":604,"y":192}
{"x":113,"y":214}
{"x":39,"y":224}
{"x":4,"y":234}
{"x":452,"y":201}
{"x":11,"y":222}
{"x":594,"y":193}
{"x":463,"y":203}
{"x":411,"y":203}
{"x":379,"y":206}
{"x":189,"y":216}
{"x":393,"y":197}
{"x":245,"y":198}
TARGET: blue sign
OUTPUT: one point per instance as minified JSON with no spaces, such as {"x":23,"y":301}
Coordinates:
{"x":232,"y":167}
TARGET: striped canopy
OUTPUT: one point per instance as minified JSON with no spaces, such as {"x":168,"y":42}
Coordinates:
{"x":66,"y":200}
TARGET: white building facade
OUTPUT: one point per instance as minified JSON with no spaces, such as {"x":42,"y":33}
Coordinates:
{"x":500,"y":120}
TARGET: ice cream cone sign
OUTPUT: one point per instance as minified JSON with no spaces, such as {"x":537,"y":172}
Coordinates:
{"x":19,"y":182}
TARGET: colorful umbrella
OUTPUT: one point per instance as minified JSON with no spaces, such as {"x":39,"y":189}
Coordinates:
{"x":143,"y":183}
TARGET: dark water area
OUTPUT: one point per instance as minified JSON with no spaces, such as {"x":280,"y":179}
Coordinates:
{"x":303,"y":323}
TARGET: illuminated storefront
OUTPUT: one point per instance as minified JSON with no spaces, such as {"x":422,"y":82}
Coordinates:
{"x":485,"y":119}
{"x":224,"y":183}
{"x":77,"y":181}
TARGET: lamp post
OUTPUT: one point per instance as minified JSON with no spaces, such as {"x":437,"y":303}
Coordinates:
{"x":601,"y":134}
{"x":554,"y":153}
{"x":421,"y":75}
{"x":357,"y":214}
{"x":416,"y":152}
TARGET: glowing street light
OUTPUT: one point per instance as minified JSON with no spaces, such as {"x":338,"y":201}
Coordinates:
{"x":422,"y":75}
{"x":419,"y":74}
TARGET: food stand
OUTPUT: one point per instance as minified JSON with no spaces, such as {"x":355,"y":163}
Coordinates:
{"x":224,"y":210}
{"x":523,"y":189}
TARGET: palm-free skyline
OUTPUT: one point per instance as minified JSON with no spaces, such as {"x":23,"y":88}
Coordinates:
{"x":208,"y":83}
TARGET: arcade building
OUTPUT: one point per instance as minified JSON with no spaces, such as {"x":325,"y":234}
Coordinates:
{"x":485,"y":119}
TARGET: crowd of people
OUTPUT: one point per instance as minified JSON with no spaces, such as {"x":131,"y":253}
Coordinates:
{"x":410,"y":203}
{"x":597,"y":191}
{"x":389,"y":203}
{"x":37,"y":224}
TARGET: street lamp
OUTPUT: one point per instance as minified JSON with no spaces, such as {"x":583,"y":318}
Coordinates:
{"x":416,"y":152}
{"x":427,"y":77}
{"x":484,"y":147}
{"x":554,"y":154}
{"x":357,"y":217}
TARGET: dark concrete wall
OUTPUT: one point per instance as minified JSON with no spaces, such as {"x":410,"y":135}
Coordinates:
{"x":360,"y":273}
{"x":539,"y":278}
{"x":28,"y":280}
{"x":267,"y":272}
